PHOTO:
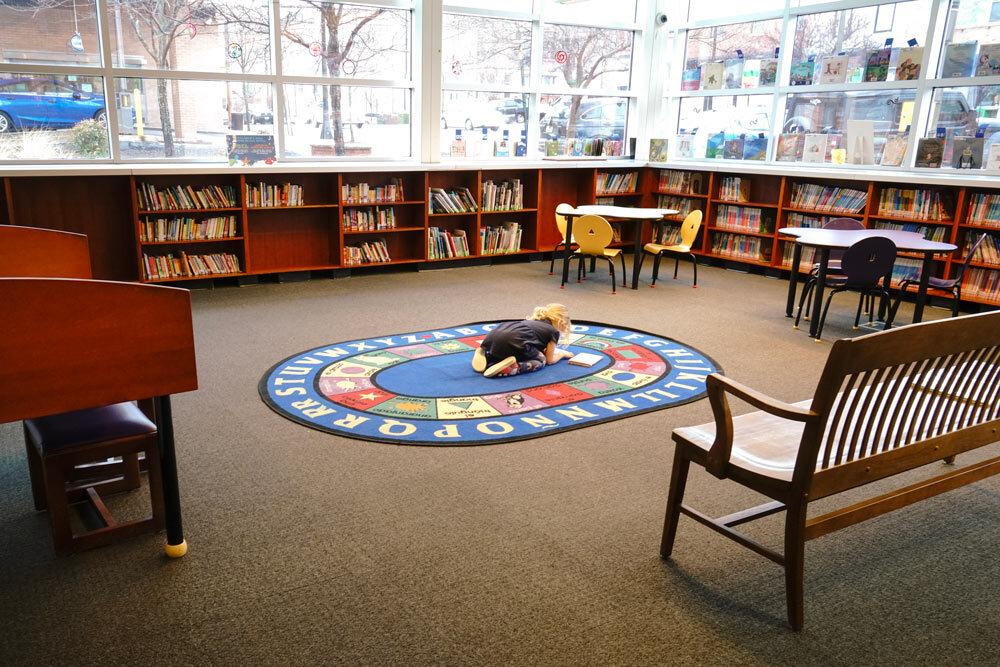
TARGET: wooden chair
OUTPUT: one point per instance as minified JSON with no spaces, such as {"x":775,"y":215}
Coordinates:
{"x":30,"y":251}
{"x":561,"y":226}
{"x":886,"y":403}
{"x":74,"y":356}
{"x":689,"y":232}
{"x":594,"y":234}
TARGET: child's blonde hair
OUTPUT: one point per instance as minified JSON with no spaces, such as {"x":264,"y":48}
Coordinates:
{"x":556,"y":313}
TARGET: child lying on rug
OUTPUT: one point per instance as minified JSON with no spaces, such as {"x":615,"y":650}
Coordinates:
{"x":524,"y":346}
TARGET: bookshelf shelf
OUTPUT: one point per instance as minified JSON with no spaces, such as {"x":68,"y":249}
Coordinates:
{"x":286,"y":208}
{"x":741,"y":232}
{"x":755,"y":204}
{"x":171,"y":211}
{"x":516,"y":210}
{"x":678,"y":193}
{"x":348,"y":204}
{"x":227,"y":239}
{"x":915,"y":221}
{"x":390,"y":230}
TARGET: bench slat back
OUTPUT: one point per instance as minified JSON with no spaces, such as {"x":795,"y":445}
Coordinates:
{"x":893,"y":389}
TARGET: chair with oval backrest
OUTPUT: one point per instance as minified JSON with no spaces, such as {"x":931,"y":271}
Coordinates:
{"x":561,"y":226}
{"x":833,"y":261}
{"x":864,"y":264}
{"x":689,"y":232}
{"x":951,"y":285}
{"x":593,"y":234}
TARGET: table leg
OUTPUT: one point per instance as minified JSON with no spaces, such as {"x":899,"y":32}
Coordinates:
{"x":824,"y":259}
{"x":176,"y":546}
{"x":566,"y":250}
{"x":925,"y":274}
{"x":793,"y":280}
{"x":637,"y":249}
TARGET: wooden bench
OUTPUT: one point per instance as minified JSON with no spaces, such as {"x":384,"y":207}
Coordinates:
{"x":886,"y":403}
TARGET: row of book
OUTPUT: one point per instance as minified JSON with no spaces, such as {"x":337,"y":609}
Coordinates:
{"x":988,"y":251}
{"x":363,"y":193}
{"x":828,"y":198}
{"x":958,"y":152}
{"x":806,"y":220}
{"x":459,"y":200}
{"x":933,"y":233}
{"x":905,"y":268}
{"x":806,"y":259}
{"x":679,"y":181}
{"x":265,"y":195}
{"x":181,"y":197}
{"x":500,"y":240}
{"x":734,"y":188}
{"x":444,"y":244}
{"x":369,"y":219}
{"x":580,"y":147}
{"x":667,"y":234}
{"x":727,"y":146}
{"x":984,"y":210}
{"x":912,"y":203}
{"x":187,"y":229}
{"x":742,"y":219}
{"x":683,"y":206}
{"x":623,"y":183}
{"x":372,"y":252}
{"x":503,"y":196}
{"x":982,"y":284}
{"x":737,"y":246}
{"x":164,"y":267}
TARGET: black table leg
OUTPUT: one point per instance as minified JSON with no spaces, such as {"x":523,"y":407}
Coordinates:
{"x":824,"y":259}
{"x":637,"y":249}
{"x":793,"y":280}
{"x":925,"y":274}
{"x":566,"y":250}
{"x":176,"y":546}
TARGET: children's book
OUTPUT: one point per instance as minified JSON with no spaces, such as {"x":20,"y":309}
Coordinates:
{"x":968,"y":153}
{"x":458,"y":145}
{"x":585,"y":359}
{"x":691,"y":79}
{"x":715,"y":145}
{"x":733,"y":73}
{"x":908,"y":64}
{"x":755,"y":147}
{"x":988,"y":62}
{"x":814,"y":148}
{"x":861,"y":141}
{"x":751,"y":73}
{"x":802,"y":73}
{"x":877,"y":68}
{"x":790,"y":147}
{"x":685,"y":145}
{"x":894,"y":151}
{"x":929,"y":152}
{"x":768,"y":72}
{"x":733,"y":147}
{"x":833,"y":69}
{"x":657,"y":150}
{"x":711,"y":76}
{"x":993,"y":157}
{"x":959,"y":60}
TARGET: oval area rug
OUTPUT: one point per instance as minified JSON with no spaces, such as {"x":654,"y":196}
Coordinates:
{"x":420,"y":389}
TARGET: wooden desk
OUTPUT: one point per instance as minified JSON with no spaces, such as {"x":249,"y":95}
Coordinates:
{"x":825,"y":239}
{"x":638,"y":215}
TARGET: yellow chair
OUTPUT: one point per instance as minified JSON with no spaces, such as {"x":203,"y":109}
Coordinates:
{"x":689,"y":231}
{"x":593,"y":234}
{"x":561,"y":226}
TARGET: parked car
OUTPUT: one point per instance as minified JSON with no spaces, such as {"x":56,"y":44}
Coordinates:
{"x":596,"y":119}
{"x":46,"y":103}
{"x":461,"y":114}
{"x":513,"y":109}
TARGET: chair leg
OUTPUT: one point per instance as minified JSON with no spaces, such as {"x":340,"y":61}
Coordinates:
{"x":822,"y":319}
{"x":555,"y":253}
{"x":678,"y":480}
{"x":677,"y":263}
{"x":795,"y":528}
{"x":656,"y":269}
{"x":956,"y":301}
{"x":624,"y":280}
{"x":611,"y":268}
{"x":803,"y":300}
{"x":890,"y":314}
{"x":694,"y":265}
{"x":57,"y":507}
{"x":857,"y":316}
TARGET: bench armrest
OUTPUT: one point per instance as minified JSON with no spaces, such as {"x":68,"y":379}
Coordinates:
{"x":717,"y":387}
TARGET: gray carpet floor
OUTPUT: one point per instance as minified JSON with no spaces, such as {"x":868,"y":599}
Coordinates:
{"x":307,"y":548}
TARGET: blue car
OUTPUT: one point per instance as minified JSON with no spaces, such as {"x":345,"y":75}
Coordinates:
{"x":46,"y":103}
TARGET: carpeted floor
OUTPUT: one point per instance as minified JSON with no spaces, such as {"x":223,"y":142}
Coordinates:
{"x":306,"y":548}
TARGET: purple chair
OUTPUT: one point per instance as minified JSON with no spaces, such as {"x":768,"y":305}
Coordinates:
{"x":952,"y":285}
{"x":833,"y":263}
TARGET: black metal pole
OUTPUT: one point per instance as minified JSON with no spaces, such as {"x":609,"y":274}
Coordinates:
{"x":176,"y":546}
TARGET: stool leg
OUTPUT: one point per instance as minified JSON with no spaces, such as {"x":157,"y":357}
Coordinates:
{"x":35,"y":472}
{"x":58,"y":507}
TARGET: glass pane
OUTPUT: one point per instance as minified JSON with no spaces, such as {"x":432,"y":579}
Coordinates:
{"x":331,"y":121}
{"x":52,"y":117}
{"x":586,"y":57}
{"x":338,"y":40}
{"x":483,"y":118}
{"x":885,"y":114}
{"x":188,"y":119}
{"x":711,"y":60}
{"x":972,"y":44}
{"x":583,"y":117}
{"x":477,"y":49}
{"x":962,"y":113}
{"x":707,"y":122}
{"x":233,"y":36}
{"x":700,"y":11}
{"x":508,"y":5}
{"x":591,"y":11}
{"x":50,"y":33}
{"x":859,"y":35}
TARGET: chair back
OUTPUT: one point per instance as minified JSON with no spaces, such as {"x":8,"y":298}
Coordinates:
{"x":867,"y":261}
{"x":968,"y":257}
{"x":689,"y":228}
{"x":43,"y":253}
{"x":593,"y":234}
{"x":561,"y":219}
{"x":837,"y":254}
